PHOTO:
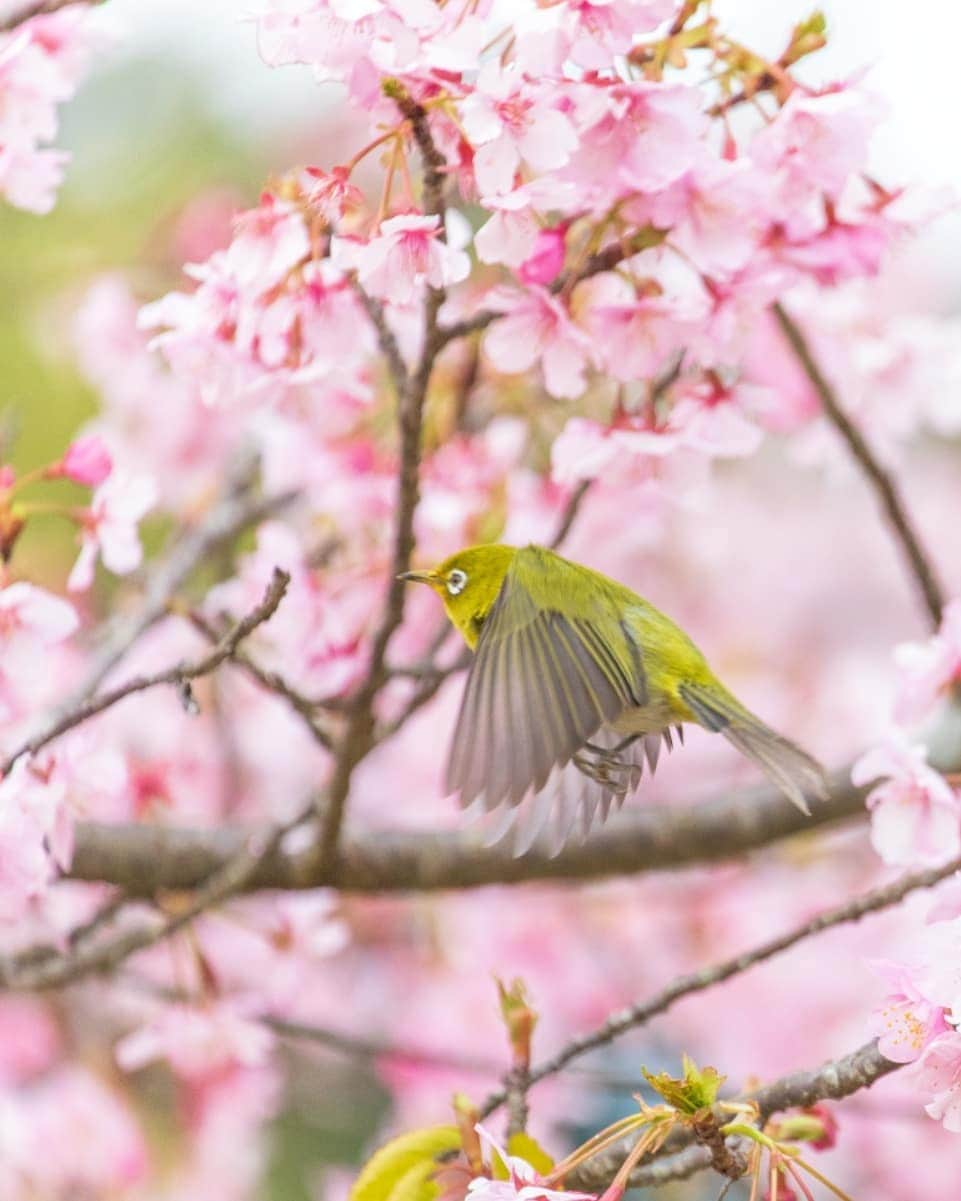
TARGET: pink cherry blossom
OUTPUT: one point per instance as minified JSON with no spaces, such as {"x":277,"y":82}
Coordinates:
{"x":510,"y":122}
{"x":87,"y":461}
{"x":110,"y":528}
{"x":35,"y":834}
{"x":926,"y":670}
{"x":32,"y":612}
{"x":197,"y":1042}
{"x":636,"y":136}
{"x":939,"y":1072}
{"x":544,"y":263}
{"x":101,"y":1148}
{"x":522,"y":1182}
{"x":537,"y":327}
{"x":915,"y":814}
{"x":601,"y":29}
{"x":906,"y":1021}
{"x":406,"y":254}
{"x":41,"y":64}
{"x":268,"y":242}
{"x":815,"y":142}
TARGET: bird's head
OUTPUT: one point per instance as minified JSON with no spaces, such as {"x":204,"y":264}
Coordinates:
{"x":468,"y":584}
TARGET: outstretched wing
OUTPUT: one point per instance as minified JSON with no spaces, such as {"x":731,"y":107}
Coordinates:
{"x":543,"y":681}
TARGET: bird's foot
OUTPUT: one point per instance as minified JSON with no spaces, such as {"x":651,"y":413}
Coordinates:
{"x":609,"y":767}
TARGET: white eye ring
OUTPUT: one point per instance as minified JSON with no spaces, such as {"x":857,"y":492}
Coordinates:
{"x":456,"y":581}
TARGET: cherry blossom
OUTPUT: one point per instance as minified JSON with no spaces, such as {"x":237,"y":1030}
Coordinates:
{"x":906,"y":1022}
{"x":32,"y":612}
{"x":86,"y":461}
{"x":109,"y":528}
{"x":406,"y":254}
{"x":915,"y":814}
{"x":41,"y":64}
{"x":537,"y":327}
{"x":511,"y":122}
{"x":197,"y":1042}
{"x":939,"y":1072}
{"x":926,"y":670}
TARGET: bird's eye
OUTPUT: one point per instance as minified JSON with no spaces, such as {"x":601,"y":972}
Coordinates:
{"x":456,"y":581}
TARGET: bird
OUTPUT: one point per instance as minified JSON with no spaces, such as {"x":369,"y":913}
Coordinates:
{"x":574,"y":684}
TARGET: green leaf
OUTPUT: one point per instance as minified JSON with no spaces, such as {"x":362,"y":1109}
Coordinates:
{"x":403,"y":1169}
{"x":696,"y":1090}
{"x":529,"y":1149}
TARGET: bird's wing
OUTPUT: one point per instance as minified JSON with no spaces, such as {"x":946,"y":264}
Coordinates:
{"x":571,"y":801}
{"x":542,"y":682}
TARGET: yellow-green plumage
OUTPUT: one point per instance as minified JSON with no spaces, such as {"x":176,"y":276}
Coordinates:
{"x":575,"y":680}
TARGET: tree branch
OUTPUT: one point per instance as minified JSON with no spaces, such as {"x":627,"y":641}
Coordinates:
{"x":835,"y":1080}
{"x":892,"y":503}
{"x":359,"y":735}
{"x":147,"y":858}
{"x":272,"y":681}
{"x":639,"y":1015}
{"x":237,"y":509}
{"x":22,"y":972}
{"x":179,"y":675}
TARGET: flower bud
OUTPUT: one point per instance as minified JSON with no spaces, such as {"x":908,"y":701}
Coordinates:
{"x":86,"y":461}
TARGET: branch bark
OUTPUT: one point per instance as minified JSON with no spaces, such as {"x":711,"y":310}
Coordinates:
{"x":919,"y":564}
{"x":147,"y":858}
{"x":359,"y":734}
{"x":834,"y":1080}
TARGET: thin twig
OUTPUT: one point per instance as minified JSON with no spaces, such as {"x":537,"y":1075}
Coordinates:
{"x":634,"y":1016}
{"x":22,"y":974}
{"x":272,"y":681}
{"x":920,"y":566}
{"x":180,"y":675}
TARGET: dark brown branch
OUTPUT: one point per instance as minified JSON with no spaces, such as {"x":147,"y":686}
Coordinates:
{"x":272,"y":681}
{"x":881,"y":480}
{"x":359,"y":734}
{"x":178,"y":676}
{"x":647,"y":838}
{"x":835,"y":1080}
{"x":634,"y":1016}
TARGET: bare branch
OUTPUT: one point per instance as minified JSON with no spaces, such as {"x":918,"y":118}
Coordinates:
{"x":386,"y":340}
{"x":272,"y":681}
{"x":179,"y":675}
{"x":647,"y":838}
{"x":23,"y":973}
{"x":237,"y":510}
{"x":881,"y":480}
{"x":835,"y":1080}
{"x":639,"y":1015}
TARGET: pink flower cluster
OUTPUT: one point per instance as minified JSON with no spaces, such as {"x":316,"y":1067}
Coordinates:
{"x":42,"y":61}
{"x":916,"y":812}
{"x":917,"y":1023}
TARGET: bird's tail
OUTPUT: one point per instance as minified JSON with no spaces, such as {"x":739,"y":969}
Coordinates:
{"x":794,"y":771}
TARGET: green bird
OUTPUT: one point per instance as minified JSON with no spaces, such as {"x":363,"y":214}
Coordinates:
{"x":575,"y":682}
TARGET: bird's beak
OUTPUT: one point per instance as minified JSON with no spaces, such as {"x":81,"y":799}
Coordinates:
{"x":419,"y":577}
